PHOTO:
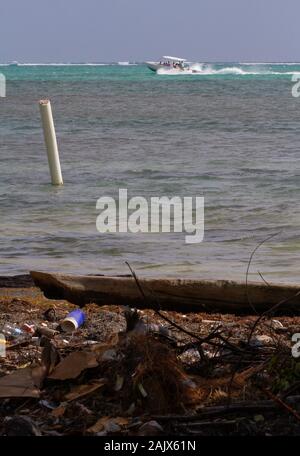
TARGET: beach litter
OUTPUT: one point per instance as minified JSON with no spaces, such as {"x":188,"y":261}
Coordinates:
{"x":131,"y":372}
{"x":73,"y":321}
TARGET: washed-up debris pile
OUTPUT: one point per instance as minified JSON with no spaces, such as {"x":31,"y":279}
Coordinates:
{"x":119,"y":371}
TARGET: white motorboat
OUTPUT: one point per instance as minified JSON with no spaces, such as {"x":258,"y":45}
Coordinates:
{"x":168,"y":63}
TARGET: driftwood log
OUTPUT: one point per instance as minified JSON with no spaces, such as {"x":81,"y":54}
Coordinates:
{"x":18,"y":281}
{"x":181,"y":295}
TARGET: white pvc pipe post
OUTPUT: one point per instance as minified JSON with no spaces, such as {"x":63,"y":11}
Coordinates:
{"x":51,"y":143}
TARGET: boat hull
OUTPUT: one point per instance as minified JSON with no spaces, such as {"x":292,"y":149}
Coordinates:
{"x":153,"y":66}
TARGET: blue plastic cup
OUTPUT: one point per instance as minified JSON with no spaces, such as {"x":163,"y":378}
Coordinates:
{"x":73,"y":321}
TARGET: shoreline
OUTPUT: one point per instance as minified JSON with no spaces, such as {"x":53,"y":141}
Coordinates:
{"x":26,"y":281}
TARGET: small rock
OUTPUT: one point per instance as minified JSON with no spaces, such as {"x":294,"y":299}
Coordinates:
{"x":190,"y":356}
{"x":131,"y":409}
{"x":261,"y":340}
{"x":47,"y":404}
{"x":50,"y":315}
{"x":112,"y":427}
{"x":150,"y":428}
{"x":119,"y":383}
{"x":109,"y":355}
{"x":278,"y":326}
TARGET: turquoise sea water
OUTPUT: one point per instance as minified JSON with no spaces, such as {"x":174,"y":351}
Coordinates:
{"x":230,"y":133}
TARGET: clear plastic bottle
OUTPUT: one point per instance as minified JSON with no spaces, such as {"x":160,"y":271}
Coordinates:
{"x":11,"y":331}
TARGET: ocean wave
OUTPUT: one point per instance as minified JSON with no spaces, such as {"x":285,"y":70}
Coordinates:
{"x":127,"y":64}
{"x":57,"y":64}
{"x":270,"y":63}
{"x":65,"y":64}
{"x":209,"y":70}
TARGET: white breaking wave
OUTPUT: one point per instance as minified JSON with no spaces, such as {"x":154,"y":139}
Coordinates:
{"x":209,"y":70}
{"x":71,"y":64}
{"x":57,"y":64}
{"x":127,"y":64}
{"x":270,"y":63}
{"x":65,"y":64}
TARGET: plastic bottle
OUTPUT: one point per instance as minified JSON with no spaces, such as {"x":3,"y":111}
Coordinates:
{"x":11,"y":331}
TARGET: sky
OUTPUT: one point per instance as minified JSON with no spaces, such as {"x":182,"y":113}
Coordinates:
{"x":137,"y":30}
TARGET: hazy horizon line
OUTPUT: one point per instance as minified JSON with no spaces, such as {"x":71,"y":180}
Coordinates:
{"x":139,"y":62}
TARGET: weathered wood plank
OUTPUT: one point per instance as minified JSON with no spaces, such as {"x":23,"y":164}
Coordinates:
{"x":173,"y":294}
